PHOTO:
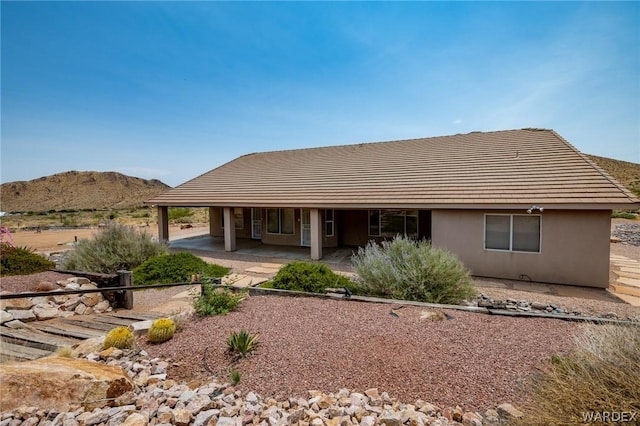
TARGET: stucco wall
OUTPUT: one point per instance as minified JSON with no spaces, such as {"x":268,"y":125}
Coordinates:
{"x":574,"y":247}
{"x":215,"y":222}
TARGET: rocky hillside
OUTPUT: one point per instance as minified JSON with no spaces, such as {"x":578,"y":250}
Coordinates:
{"x":624,"y":172}
{"x":78,"y":190}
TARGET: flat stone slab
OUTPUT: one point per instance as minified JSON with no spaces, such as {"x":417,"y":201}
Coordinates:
{"x":272,"y":265}
{"x":261,"y":270}
{"x":632,"y":300}
{"x":627,"y":274}
{"x":632,"y":282}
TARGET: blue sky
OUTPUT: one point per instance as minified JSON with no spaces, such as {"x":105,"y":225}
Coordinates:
{"x":170,"y":90}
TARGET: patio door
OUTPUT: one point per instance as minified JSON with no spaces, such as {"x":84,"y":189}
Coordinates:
{"x":305,"y":227}
{"x":256,"y":224}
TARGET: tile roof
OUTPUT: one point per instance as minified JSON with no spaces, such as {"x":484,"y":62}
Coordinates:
{"x":501,"y":169}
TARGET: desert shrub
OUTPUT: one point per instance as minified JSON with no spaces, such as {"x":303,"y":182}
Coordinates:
{"x":180,"y":214}
{"x":600,"y":375}
{"x":617,"y":214}
{"x":240,"y":343}
{"x":21,"y":261}
{"x":174,"y":268}
{"x":112,"y":248}
{"x":161,"y":330}
{"x":216,"y":301}
{"x":310,"y":277}
{"x":412,"y":270}
{"x":119,"y":337}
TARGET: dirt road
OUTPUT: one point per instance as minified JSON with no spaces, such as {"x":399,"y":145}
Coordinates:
{"x":60,"y":240}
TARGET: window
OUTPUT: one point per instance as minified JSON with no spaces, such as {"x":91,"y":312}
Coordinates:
{"x":238,"y":217}
{"x":389,"y":223}
{"x":328,"y":223}
{"x":512,"y":232}
{"x":280,"y":221}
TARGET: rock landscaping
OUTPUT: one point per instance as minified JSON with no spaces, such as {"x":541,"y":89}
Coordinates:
{"x":627,"y":233}
{"x":156,"y":400}
{"x":515,"y":305}
{"x":15,"y":312}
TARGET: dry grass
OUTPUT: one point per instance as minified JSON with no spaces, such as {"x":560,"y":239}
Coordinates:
{"x":601,"y":375}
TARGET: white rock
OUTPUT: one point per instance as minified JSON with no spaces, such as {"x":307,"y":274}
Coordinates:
{"x":5,"y":317}
{"x":45,"y":311}
{"x":22,"y":315}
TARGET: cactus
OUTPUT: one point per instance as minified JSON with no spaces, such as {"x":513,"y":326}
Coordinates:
{"x":119,"y":337}
{"x":161,"y":330}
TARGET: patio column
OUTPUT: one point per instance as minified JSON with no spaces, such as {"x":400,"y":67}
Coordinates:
{"x":163,"y":224}
{"x":316,"y":234}
{"x":229,"y":229}
{"x":211,"y":216}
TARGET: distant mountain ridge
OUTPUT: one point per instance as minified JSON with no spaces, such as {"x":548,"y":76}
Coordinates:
{"x":78,"y":190}
{"x":625,"y":172}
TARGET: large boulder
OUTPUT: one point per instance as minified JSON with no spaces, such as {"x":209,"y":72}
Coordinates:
{"x":61,"y":383}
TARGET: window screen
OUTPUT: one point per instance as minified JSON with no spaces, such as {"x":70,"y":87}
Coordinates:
{"x":498,"y":232}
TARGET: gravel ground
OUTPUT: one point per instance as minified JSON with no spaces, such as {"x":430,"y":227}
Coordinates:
{"x":472,"y":360}
{"x":22,"y":283}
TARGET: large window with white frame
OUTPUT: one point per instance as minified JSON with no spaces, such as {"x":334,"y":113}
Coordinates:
{"x":513,"y":232}
{"x":389,"y":223}
{"x":280,"y":221}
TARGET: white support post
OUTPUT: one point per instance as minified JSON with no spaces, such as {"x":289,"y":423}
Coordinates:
{"x":316,"y":234}
{"x":229,"y":229}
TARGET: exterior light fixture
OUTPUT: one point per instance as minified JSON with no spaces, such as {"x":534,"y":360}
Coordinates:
{"x":534,"y":207}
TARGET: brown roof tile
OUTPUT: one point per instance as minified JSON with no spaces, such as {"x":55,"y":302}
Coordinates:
{"x":474,"y":170}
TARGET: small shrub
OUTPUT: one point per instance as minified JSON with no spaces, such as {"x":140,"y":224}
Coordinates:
{"x":601,"y":375}
{"x":161,"y":330}
{"x":235,"y":377}
{"x":309,"y":277}
{"x":21,"y":261}
{"x":175,"y":267}
{"x":241,"y":343}
{"x":412,"y":270}
{"x":617,"y":214}
{"x":216,"y":301}
{"x":119,"y":337}
{"x":112,"y":248}
{"x":64,"y":352}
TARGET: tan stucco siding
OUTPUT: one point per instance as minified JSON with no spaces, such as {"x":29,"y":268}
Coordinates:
{"x":215,"y":223}
{"x":574,"y":247}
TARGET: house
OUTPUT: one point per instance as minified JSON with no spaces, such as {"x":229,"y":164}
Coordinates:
{"x":515,"y":204}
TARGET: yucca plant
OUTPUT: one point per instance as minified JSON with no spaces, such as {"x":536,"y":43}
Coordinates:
{"x":240,"y":343}
{"x":161,"y":330}
{"x":120,"y":337}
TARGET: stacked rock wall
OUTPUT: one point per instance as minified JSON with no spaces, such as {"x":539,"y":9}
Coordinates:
{"x":40,"y":308}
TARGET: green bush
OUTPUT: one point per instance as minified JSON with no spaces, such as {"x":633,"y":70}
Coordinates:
{"x":21,"y":261}
{"x":309,"y":277}
{"x":600,"y":375}
{"x":175,"y":268}
{"x":113,"y":248}
{"x":617,"y":214}
{"x":214,"y":301}
{"x":180,"y":214}
{"x":412,"y":270}
{"x":240,"y":343}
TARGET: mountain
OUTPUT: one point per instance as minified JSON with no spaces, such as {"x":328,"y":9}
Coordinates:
{"x":78,"y":190}
{"x":624,"y":172}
